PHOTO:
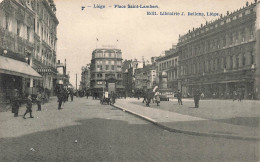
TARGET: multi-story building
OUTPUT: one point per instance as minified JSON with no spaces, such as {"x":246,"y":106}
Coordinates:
{"x":145,"y":77}
{"x":106,"y":67}
{"x":169,"y":65}
{"x":45,"y":40}
{"x":28,"y":31}
{"x":85,"y":77}
{"x":62,"y":75}
{"x":223,"y":56}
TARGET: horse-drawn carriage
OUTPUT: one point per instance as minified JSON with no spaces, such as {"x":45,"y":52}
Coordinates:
{"x":105,"y":98}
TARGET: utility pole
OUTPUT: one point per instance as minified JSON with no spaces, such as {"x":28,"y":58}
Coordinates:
{"x":76,"y":82}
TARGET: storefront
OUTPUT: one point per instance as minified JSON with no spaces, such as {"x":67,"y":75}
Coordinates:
{"x":15,"y":74}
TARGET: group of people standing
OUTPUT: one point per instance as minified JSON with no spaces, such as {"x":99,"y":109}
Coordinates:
{"x":17,"y":100}
{"x":155,"y":97}
{"x":63,"y":96}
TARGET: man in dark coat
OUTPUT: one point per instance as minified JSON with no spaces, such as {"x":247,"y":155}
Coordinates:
{"x":145,"y":96}
{"x":179,"y":96}
{"x":28,"y":106}
{"x":197,"y":98}
{"x":149,"y":96}
{"x":60,"y":99}
{"x":15,"y":103}
{"x":39,"y":101}
{"x":71,"y":95}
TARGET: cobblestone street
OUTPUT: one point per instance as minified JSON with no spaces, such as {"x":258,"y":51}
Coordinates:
{"x":86,"y":131}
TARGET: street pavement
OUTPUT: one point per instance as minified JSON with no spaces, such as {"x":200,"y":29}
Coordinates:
{"x":220,"y":118}
{"x":85,"y":130}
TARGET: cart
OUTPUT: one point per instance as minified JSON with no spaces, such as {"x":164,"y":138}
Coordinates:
{"x":105,"y":99}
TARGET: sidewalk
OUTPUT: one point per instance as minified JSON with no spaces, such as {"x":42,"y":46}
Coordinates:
{"x":189,"y":121}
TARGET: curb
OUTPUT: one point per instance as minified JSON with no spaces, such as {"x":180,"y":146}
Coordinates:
{"x":185,"y":131}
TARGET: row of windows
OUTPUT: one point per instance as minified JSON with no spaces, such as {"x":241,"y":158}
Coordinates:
{"x":227,"y":63}
{"x":108,"y":67}
{"x":172,"y":75}
{"x":108,"y":62}
{"x":100,"y":75}
{"x":168,"y":64}
{"x":107,"y":55}
{"x":224,"y":40}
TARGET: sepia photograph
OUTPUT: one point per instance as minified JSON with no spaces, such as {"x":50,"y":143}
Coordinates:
{"x":130,"y":80}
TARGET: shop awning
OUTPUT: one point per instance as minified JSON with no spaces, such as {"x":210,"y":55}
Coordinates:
{"x":14,"y":67}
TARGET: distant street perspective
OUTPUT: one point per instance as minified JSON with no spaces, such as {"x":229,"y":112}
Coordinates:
{"x":85,"y":130}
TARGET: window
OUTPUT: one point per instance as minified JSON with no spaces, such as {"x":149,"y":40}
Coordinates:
{"x":252,"y":57}
{"x":231,"y":61}
{"x":18,"y":28}
{"x":243,"y":35}
{"x":37,"y":28}
{"x":224,"y":41}
{"x":243,"y":60}
{"x":237,"y":61}
{"x":112,"y":54}
{"x":6,"y":22}
{"x":107,"y":67}
{"x":112,"y":67}
{"x":231,"y":38}
{"x":99,"y":75}
{"x":224,"y":62}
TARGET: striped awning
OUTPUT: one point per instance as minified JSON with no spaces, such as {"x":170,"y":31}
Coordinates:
{"x":18,"y":68}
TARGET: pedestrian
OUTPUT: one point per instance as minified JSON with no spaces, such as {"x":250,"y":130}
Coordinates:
{"x":39,"y":101}
{"x":28,"y":106}
{"x":234,"y":96}
{"x":202,"y":95}
{"x":15,"y":103}
{"x":145,"y":96}
{"x":197,"y":98}
{"x":87,"y":94}
{"x":60,"y":99}
{"x":179,"y":97}
{"x":157,"y":98}
{"x":71,"y":95}
{"x":149,"y":96}
{"x":240,"y":96}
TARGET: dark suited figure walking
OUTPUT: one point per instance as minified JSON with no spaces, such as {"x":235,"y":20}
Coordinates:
{"x":60,"y":99}
{"x":179,"y":96}
{"x":39,"y":101}
{"x":71,"y":95}
{"x":197,"y":98}
{"x":28,"y":106}
{"x":15,"y":103}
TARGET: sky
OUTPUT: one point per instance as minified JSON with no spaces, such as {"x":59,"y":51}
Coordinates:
{"x":131,"y":30}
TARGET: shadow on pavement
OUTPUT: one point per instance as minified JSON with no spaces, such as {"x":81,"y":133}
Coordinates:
{"x":113,"y":140}
{"x":243,"y":121}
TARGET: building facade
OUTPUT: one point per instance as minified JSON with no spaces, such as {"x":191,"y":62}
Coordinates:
{"x":106,"y":66}
{"x":169,"y":65}
{"x":21,"y":37}
{"x":223,"y":56}
{"x":85,"y":78}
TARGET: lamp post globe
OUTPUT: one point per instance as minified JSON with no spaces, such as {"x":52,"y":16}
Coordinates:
{"x":5,"y":52}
